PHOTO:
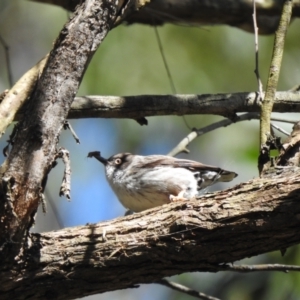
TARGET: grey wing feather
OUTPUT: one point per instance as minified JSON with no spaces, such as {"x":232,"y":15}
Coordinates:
{"x":161,"y":160}
{"x":189,"y":164}
{"x":196,"y":166}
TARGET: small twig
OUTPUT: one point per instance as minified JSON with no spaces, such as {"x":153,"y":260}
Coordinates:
{"x":280,"y":129}
{"x":267,"y":105}
{"x":256,"y":71}
{"x":7,"y":58}
{"x":181,"y":147}
{"x":67,"y":125}
{"x":171,"y":81}
{"x":164,"y":59}
{"x":295,"y":88}
{"x":66,"y":182}
{"x":181,"y":288}
{"x":262,"y":267}
{"x":162,"y":53}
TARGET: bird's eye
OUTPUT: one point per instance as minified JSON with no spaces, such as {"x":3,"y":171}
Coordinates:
{"x":118,"y":161}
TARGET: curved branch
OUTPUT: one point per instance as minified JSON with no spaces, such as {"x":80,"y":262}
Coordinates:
{"x":182,"y":145}
{"x":196,"y":235}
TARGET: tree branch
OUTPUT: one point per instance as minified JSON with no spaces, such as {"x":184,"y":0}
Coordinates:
{"x":236,"y":13}
{"x":183,"y":289}
{"x":159,"y":105}
{"x":263,"y":267}
{"x":182,"y":145}
{"x":256,"y":70}
{"x":268,"y":101}
{"x":196,"y":235}
{"x":195,"y":133}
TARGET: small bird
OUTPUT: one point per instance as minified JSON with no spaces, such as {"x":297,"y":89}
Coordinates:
{"x":143,"y":182}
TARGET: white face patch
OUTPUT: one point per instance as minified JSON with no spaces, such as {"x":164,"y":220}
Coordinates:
{"x":109,"y":171}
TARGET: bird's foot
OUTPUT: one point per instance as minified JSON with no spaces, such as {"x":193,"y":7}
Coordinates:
{"x":179,"y":197}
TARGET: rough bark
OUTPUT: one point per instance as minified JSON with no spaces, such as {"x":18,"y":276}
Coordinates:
{"x":24,"y":173}
{"x":256,"y":217}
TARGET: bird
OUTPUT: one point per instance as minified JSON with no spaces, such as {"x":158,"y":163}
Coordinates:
{"x":144,"y":182}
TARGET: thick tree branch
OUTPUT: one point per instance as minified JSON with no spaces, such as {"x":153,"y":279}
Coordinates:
{"x":197,"y":235}
{"x":236,"y":13}
{"x":159,"y":105}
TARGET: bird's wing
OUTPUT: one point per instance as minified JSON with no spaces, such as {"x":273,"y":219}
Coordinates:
{"x":168,"y":161}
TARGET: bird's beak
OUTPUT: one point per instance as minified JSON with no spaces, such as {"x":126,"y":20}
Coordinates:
{"x":98,"y":156}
